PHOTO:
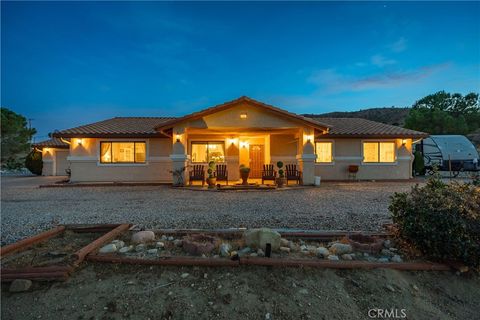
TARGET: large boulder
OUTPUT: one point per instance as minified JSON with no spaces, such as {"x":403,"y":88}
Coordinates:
{"x":20,"y":285}
{"x":340,"y":248}
{"x":143,"y":237}
{"x":258,"y":238}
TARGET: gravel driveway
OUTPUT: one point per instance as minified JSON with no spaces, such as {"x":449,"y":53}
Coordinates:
{"x":27,"y":209}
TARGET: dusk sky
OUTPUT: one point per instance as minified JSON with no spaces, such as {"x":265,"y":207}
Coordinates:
{"x":66,"y":64}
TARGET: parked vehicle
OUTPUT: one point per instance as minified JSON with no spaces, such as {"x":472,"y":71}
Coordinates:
{"x":449,"y":152}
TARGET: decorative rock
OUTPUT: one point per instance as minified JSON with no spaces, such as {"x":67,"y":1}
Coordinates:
{"x":258,"y":238}
{"x":387,"y":243}
{"x":225,"y":249}
{"x":178,"y":242}
{"x":347,"y":257}
{"x":118,"y":243}
{"x":152,"y":251}
{"x":389,"y":287}
{"x":267,"y":316}
{"x":333,"y":257}
{"x":260,"y":253}
{"x":322,"y":252}
{"x":415,"y":288}
{"x":140,"y":247}
{"x":387,"y":253}
{"x":254,"y":254}
{"x":126,"y":249}
{"x":109,"y":248}
{"x":285,"y":249}
{"x":233,"y":253}
{"x":143,"y":237}
{"x":198,"y":244}
{"x":164,"y":237}
{"x":312,"y":249}
{"x":244,"y":251}
{"x":396,"y":258}
{"x":20,"y":285}
{"x":170,"y":238}
{"x":383,"y":259}
{"x":340,"y":248}
{"x":284,"y":242}
{"x":184,"y":275}
{"x":303,"y":247}
{"x":160,"y":244}
{"x":303,"y":291}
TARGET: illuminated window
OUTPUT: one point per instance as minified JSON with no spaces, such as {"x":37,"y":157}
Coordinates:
{"x":324,"y":151}
{"x":123,"y":152}
{"x":208,"y":151}
{"x":379,"y":152}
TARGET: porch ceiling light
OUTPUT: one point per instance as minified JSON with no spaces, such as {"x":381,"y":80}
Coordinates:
{"x":243,"y":115}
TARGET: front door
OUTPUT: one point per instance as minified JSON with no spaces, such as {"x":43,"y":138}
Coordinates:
{"x":257,"y":158}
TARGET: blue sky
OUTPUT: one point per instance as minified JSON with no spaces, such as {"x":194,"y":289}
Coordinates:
{"x":65,"y":64}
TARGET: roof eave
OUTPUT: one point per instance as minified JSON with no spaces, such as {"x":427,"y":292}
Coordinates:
{"x":109,"y":135}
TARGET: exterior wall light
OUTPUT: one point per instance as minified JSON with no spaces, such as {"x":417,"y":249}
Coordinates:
{"x":80,"y":142}
{"x":177,"y":136}
{"x":243,"y":115}
{"x":231,"y":141}
{"x":309,"y":138}
{"x":243,"y":144}
{"x":404,"y":142}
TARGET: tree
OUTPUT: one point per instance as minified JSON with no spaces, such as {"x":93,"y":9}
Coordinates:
{"x":34,"y":163}
{"x":15,"y":139}
{"x":445,"y":113}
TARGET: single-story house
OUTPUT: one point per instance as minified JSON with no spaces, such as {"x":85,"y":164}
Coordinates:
{"x":242,"y":131}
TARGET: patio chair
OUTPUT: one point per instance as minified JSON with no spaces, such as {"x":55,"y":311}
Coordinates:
{"x":292,"y":173}
{"x":268,"y":173}
{"x":197,"y":174}
{"x":221,"y":172}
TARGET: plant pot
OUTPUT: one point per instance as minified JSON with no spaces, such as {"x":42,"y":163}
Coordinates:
{"x":280,"y":182}
{"x":353,"y":168}
{"x":244,"y":175}
{"x":211,"y":182}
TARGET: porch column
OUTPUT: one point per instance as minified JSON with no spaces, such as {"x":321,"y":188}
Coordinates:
{"x":306,"y":162}
{"x":306,"y":156}
{"x":180,"y":158}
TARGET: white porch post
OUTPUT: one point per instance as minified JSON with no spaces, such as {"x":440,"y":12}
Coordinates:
{"x":306,"y":156}
{"x":180,"y":158}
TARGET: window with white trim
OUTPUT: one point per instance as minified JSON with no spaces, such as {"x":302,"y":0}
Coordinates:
{"x":324,"y":151}
{"x":379,"y":152}
{"x":122,"y":152}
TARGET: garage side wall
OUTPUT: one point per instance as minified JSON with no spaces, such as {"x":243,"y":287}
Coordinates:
{"x":349,"y":152}
{"x":86,"y":167}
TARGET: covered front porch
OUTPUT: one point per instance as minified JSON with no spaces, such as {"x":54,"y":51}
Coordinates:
{"x":246,"y":133}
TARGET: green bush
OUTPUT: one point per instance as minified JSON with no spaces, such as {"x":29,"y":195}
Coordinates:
{"x":441,"y":220}
{"x":34,"y":163}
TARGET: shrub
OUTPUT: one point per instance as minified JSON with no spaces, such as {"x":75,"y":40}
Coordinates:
{"x":34,"y":163}
{"x":441,"y":220}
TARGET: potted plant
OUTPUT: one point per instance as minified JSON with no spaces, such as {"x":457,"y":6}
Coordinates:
{"x":244,"y":172}
{"x":280,"y":180}
{"x":212,"y":179}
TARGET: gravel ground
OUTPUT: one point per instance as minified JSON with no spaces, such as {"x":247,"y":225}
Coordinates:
{"x":27,"y":209}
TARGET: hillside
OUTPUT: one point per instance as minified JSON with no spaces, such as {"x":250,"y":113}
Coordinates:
{"x":394,"y":116}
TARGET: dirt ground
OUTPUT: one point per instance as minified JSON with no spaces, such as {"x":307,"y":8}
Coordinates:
{"x":141,"y":292}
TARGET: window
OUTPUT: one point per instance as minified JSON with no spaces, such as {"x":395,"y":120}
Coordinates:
{"x":208,"y":151}
{"x":122,"y":152}
{"x":324,"y":151}
{"x":379,"y":152}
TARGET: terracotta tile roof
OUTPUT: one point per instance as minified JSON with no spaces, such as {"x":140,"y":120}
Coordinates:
{"x":121,"y":127}
{"x":316,"y":123}
{"x":357,"y":128}
{"x":51,"y":143}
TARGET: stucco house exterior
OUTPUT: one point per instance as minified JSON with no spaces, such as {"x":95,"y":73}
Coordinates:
{"x":242,"y":131}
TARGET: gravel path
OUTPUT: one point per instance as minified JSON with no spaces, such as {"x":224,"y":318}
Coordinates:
{"x":27,"y":209}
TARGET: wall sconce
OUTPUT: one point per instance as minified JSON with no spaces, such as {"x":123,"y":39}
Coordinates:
{"x":47,"y":150}
{"x":404,"y":142}
{"x":309,"y":138}
{"x":243,"y":115}
{"x":177,"y":136}
{"x":79,"y":142}
{"x":231,"y":141}
{"x":243,"y":144}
